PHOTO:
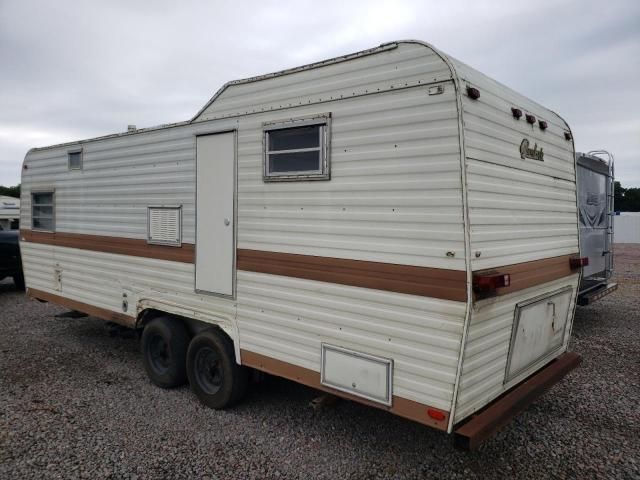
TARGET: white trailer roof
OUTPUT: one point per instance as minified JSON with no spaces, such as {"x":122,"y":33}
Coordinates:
{"x":418,"y":63}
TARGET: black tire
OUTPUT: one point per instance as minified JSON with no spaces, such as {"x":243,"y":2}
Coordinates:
{"x":215,"y":377}
{"x":18,"y":281}
{"x":164,"y":345}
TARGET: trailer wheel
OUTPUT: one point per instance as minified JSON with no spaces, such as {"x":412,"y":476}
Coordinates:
{"x":215,"y":377}
{"x":164,"y":346}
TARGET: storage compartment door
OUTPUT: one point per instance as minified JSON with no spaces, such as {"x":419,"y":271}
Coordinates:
{"x":215,"y":238}
{"x":357,"y":373}
{"x":538,"y":330}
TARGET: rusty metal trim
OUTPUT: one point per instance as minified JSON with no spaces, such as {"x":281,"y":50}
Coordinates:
{"x":591,"y":296}
{"x":483,"y":425}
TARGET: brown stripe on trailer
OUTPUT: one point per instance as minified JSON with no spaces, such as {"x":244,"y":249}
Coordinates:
{"x":424,"y":281}
{"x":400,"y":406}
{"x":91,"y":310}
{"x":118,"y":245}
{"x":410,"y":279}
{"x":530,"y":274}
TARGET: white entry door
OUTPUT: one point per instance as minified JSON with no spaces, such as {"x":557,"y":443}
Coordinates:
{"x":215,"y":180}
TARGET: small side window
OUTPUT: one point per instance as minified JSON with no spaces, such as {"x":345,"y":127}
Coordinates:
{"x":297,"y":149}
{"x":42,"y":211}
{"x":75,"y":160}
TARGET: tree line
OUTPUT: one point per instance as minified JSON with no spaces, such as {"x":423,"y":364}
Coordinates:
{"x":626,"y":199}
{"x":10,"y":191}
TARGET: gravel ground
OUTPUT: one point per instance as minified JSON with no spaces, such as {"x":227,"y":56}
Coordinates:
{"x":75,"y":403}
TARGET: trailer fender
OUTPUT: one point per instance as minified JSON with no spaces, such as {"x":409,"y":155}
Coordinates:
{"x":226,"y":323}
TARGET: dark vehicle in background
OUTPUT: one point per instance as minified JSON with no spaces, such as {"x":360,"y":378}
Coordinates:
{"x":10,"y":261}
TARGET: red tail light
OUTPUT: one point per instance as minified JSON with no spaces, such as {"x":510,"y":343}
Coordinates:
{"x":543,"y":124}
{"x":567,"y":136}
{"x":578,"y":262}
{"x":516,"y":112}
{"x":530,"y":118}
{"x":435,"y":414}
{"x":490,"y":283}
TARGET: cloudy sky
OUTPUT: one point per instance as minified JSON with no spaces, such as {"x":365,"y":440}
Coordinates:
{"x":74,"y":70}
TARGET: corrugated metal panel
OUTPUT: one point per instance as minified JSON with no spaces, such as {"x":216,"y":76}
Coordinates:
{"x":281,"y":317}
{"x":493,"y":135}
{"x":518,"y":216}
{"x":100,"y":279}
{"x":289,"y":318}
{"x":121,"y":177}
{"x":519,"y":209}
{"x":487,"y":347}
{"x":401,"y":67}
{"x":394,"y":194}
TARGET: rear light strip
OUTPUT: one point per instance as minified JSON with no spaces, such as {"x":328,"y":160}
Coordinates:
{"x":580,"y":262}
{"x":490,"y":282}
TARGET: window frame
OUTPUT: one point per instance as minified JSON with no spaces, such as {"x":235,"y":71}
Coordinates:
{"x":52,"y":205}
{"x":324,"y":148}
{"x":69,"y":153}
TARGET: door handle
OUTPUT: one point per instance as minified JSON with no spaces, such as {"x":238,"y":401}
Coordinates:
{"x":553,"y":317}
{"x":227,"y":222}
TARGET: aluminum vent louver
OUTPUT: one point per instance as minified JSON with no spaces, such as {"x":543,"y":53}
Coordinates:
{"x":164,"y":225}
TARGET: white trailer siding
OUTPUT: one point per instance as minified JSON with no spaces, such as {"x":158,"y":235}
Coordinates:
{"x":120,"y":177}
{"x":391,"y":66}
{"x":520,"y":210}
{"x":281,"y":317}
{"x":487,"y":346}
{"x":288,"y":318}
{"x":394,"y":195}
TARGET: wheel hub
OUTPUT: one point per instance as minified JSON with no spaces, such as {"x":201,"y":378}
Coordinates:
{"x":159,"y":354}
{"x":208,"y":371}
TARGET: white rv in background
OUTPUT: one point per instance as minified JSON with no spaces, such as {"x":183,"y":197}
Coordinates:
{"x":9,"y":213}
{"x":596,"y":212}
{"x":389,"y":226}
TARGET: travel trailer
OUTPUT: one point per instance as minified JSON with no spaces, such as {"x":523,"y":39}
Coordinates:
{"x":390,"y":226}
{"x":595,"y":174}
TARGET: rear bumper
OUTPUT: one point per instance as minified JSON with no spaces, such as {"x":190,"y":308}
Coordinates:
{"x":470,"y":434}
{"x":590,"y":296}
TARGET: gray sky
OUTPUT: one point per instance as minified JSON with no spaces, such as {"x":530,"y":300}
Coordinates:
{"x":74,"y":70}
